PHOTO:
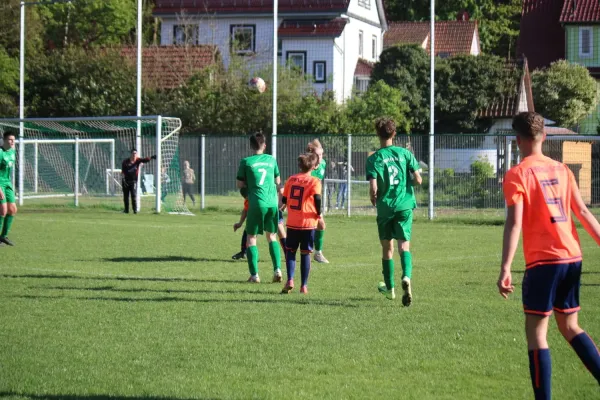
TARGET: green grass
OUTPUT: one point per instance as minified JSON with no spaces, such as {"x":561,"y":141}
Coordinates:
{"x":95,"y":304}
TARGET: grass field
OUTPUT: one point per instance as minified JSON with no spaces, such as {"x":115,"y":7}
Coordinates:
{"x":96,"y":304}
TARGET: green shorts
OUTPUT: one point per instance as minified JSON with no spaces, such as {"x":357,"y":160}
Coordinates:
{"x":262,"y":219}
{"x":9,"y":193}
{"x":398,"y":226}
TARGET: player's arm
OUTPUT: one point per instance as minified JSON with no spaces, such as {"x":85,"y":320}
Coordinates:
{"x":512,"y":231}
{"x":373,"y":191}
{"x":318,"y":199}
{"x":417,"y":178}
{"x":587,"y":219}
{"x":415,"y":170}
{"x":1,"y":194}
{"x":284,"y":195}
{"x":239,"y":224}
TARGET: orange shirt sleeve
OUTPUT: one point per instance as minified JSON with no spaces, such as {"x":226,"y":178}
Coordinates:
{"x":246,"y":204}
{"x":513,"y":189}
{"x":286,"y":189}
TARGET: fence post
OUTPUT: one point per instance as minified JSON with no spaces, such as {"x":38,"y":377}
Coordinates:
{"x":349,"y":174}
{"x":76,"y":174}
{"x":158,"y":168}
{"x":36,"y":171}
{"x":202,"y":170}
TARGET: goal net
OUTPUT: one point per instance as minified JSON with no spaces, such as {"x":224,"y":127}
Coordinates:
{"x":77,"y":161}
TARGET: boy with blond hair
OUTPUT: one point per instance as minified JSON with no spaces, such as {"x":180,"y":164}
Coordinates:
{"x":316,"y":148}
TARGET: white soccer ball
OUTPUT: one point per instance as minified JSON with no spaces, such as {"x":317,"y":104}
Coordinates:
{"x":258,"y":84}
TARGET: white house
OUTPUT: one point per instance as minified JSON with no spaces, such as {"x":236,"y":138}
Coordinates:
{"x":324,"y":38}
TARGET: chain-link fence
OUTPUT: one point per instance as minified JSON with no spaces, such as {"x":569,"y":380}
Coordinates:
{"x":468,"y":173}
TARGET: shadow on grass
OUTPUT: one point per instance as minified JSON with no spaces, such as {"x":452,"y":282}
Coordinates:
{"x":4,"y":395}
{"x":119,"y":278}
{"x":277,"y":298}
{"x":165,"y":259}
{"x":142,"y":290}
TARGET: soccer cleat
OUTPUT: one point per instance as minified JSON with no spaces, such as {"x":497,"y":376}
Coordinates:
{"x":254,"y":279}
{"x":238,"y":256}
{"x":289,"y":286}
{"x":277,"y":277}
{"x":320,"y":258}
{"x":5,"y":240}
{"x":407,"y":296}
{"x":390,"y":294}
{"x":303,"y":289}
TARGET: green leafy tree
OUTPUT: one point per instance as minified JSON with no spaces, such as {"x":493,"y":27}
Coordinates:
{"x":406,"y":68}
{"x":564,"y":92}
{"x":9,"y":84}
{"x":465,"y":85}
{"x":10,"y":10}
{"x":76,"y":82}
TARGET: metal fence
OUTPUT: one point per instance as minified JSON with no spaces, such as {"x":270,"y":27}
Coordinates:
{"x":469,"y":169}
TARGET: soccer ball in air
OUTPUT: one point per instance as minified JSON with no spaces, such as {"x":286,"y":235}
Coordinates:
{"x":258,"y":84}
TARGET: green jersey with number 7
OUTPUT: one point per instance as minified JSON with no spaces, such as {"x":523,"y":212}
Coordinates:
{"x":391,"y":166}
{"x":259,"y":173}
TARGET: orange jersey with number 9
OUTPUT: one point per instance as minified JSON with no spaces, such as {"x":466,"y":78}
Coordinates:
{"x":545,"y":187}
{"x":299,"y":191}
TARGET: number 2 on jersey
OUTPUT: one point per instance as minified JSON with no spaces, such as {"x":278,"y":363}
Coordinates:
{"x":263,"y":176}
{"x":393,"y":171}
{"x":553,"y":200}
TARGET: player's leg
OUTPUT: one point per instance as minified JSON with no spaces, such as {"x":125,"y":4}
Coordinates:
{"x":306,"y":247}
{"x":11,"y":211}
{"x":271,"y":222}
{"x":319,"y":234}
{"x":292,"y":243}
{"x":281,"y":231}
{"x":242,"y":253}
{"x":567,"y":307}
{"x":125,"y":197}
{"x":191,"y":193}
{"x":3,"y":208}
{"x":385,"y":231}
{"x":254,"y":227}
{"x":403,"y":233}
{"x":133,"y":188}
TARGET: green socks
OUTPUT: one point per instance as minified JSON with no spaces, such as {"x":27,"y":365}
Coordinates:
{"x":8,"y":220}
{"x":275,"y":255}
{"x":319,"y":240}
{"x":388,"y":273}
{"x":252,"y":255}
{"x":406,"y":260}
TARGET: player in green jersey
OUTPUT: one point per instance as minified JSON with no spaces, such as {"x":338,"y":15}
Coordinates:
{"x":389,"y":172}
{"x":260,"y":174}
{"x":8,"y":207}
{"x":319,"y":172}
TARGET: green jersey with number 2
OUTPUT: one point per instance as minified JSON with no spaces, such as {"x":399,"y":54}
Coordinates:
{"x":259,"y":173}
{"x":7,"y":162}
{"x":391,"y":167}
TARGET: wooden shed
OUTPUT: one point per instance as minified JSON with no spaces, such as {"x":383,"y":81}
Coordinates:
{"x":578,"y":157}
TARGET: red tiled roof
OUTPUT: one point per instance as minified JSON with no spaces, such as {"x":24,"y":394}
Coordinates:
{"x":451,"y":37}
{"x":552,"y":130}
{"x":580,"y":11}
{"x":508,"y":105}
{"x":247,"y":6}
{"x":308,"y":28}
{"x":363,"y":67}
{"x":541,"y":36}
{"x":170,"y":66}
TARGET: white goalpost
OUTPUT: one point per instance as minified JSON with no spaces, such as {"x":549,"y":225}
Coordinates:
{"x":78,"y":159}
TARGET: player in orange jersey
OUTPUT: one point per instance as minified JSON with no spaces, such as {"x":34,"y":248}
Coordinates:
{"x":302,"y":196}
{"x":540,"y":194}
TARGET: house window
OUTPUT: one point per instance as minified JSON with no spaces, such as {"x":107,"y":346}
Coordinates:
{"x":365,"y":3}
{"x":243,"y":39}
{"x":374,"y":47}
{"x":443,"y":54}
{"x":585,"y":42}
{"x":361,"y":83}
{"x":320,"y":71}
{"x":296,"y":59}
{"x":360,"y":43}
{"x":185,"y":34}
{"x":279,"y":46}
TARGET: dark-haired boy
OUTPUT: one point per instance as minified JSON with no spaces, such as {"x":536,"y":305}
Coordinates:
{"x":391,"y":191}
{"x":540,"y":194}
{"x":260,"y":174}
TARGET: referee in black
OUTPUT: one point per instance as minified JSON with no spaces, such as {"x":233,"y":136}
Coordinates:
{"x":130,"y":170}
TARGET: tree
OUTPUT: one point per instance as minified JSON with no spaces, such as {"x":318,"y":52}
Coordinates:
{"x":9,"y":84}
{"x":564,"y":92}
{"x":10,"y":28}
{"x":76,"y":82}
{"x":465,"y":85}
{"x":406,"y":68}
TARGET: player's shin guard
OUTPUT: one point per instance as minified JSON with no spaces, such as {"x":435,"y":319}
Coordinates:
{"x":587,"y":351}
{"x":540,"y":367}
{"x":304,"y":267}
{"x":290,"y":264}
{"x":406,"y":261}
{"x":319,"y":240}
{"x":275,"y":255}
{"x":244,"y":241}
{"x":388,"y":273}
{"x":8,"y":220}
{"x":252,"y":254}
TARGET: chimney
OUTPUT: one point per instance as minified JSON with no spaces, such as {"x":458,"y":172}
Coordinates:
{"x":462,"y":16}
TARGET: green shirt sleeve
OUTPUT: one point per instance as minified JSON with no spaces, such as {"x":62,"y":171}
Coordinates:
{"x":413,"y":164}
{"x":241,"y":175}
{"x":371,"y":172}
{"x":276,"y":169}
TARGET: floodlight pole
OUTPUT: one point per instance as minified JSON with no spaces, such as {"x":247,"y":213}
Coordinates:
{"x":275,"y":62}
{"x":138,"y":134}
{"x":431,"y":107}
{"x":21,"y":104}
